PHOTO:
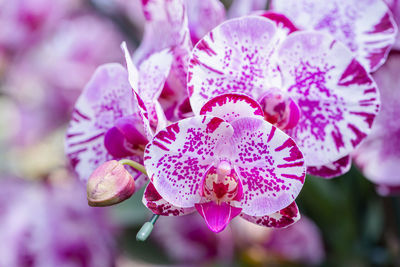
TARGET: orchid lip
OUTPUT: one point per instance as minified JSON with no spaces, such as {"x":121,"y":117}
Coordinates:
{"x":221,"y":183}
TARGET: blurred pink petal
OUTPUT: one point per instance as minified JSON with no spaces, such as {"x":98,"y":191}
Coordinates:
{"x":52,"y":225}
{"x":245,"y":7}
{"x":203,"y":16}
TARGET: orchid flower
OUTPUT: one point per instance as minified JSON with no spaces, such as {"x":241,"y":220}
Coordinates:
{"x":365,"y":26}
{"x":112,"y":118}
{"x":308,"y":84}
{"x":225,"y":162}
{"x":379,"y":155}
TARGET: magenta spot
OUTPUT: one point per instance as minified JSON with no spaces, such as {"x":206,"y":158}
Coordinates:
{"x":280,"y":20}
{"x":368,"y":117}
{"x":168,"y":135}
{"x":213,"y":124}
{"x":294,"y":177}
{"x":203,"y":46}
{"x":271,"y":134}
{"x":156,"y":143}
{"x":354,"y":74}
{"x":151,"y":193}
{"x":359,"y":135}
{"x":337,"y":138}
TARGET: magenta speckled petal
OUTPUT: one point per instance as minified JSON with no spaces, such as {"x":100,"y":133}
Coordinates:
{"x":280,"y":219}
{"x":178,"y":157}
{"x":270,"y":165}
{"x":203,"y":16}
{"x":232,"y":106}
{"x":133,"y":76}
{"x":365,"y":26}
{"x":332,"y":169}
{"x":379,"y":155}
{"x":238,"y":56}
{"x":217,"y":216}
{"x":154,"y":202}
{"x":107,"y":97}
{"x":153,"y":73}
{"x":337,"y":97}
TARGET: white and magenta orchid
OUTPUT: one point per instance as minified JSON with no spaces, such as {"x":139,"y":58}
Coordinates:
{"x":365,"y":26}
{"x":105,"y":123}
{"x":113,"y":118}
{"x":379,"y":156}
{"x":307,"y":83}
{"x":224,"y":162}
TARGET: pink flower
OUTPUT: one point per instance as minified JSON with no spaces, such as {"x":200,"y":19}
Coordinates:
{"x":228,"y":161}
{"x":117,"y":113}
{"x":307,"y":83}
{"x":105,"y":124}
{"x":366,"y":27}
{"x":379,"y":155}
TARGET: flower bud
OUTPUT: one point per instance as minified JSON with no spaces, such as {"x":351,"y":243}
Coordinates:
{"x":109,"y":184}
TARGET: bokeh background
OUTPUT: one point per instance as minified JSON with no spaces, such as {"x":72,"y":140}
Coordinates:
{"x":48,"y":51}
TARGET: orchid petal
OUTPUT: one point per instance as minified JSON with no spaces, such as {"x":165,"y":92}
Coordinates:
{"x":178,"y":157}
{"x":217,"y":216}
{"x":154,"y":202}
{"x":238,"y":56}
{"x":270,"y":165}
{"x":106,"y":98}
{"x":337,"y":97}
{"x":280,"y":219}
{"x":203,"y":16}
{"x":232,"y":106}
{"x":332,"y":169}
{"x":153,"y":73}
{"x":365,"y":26}
{"x":133,"y":76}
{"x":379,"y":155}
{"x":245,"y":7}
{"x":167,"y":28}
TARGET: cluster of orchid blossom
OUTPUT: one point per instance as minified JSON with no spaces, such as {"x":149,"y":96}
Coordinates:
{"x":272,"y":95}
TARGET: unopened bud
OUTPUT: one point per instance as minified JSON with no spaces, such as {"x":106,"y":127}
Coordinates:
{"x":109,"y":184}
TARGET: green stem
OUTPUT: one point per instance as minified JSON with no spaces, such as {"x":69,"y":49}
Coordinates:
{"x":134,"y":165}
